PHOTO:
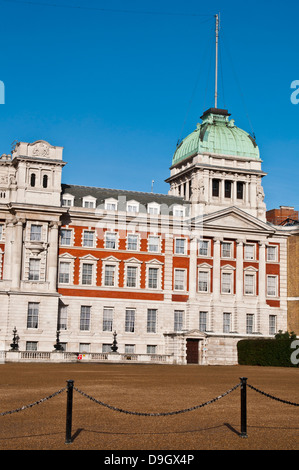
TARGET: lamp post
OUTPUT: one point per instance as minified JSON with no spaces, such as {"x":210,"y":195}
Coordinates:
{"x":114,"y":346}
{"x":15,"y":341}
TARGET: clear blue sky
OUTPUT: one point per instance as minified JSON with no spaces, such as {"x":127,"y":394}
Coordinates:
{"x":117,"y":88}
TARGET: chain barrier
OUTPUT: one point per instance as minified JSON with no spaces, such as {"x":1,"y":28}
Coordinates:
{"x":137,"y":413}
{"x":271,"y":396}
{"x":25,"y":407}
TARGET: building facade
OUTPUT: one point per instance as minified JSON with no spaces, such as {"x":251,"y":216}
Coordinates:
{"x":179,"y":278}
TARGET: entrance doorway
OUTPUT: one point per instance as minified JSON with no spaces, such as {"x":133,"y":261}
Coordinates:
{"x":192,"y":350}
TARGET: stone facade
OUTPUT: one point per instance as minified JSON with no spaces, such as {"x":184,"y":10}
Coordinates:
{"x":179,"y":277}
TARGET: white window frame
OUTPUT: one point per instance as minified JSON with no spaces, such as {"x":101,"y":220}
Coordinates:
{"x":203,"y":315}
{"x":272,"y":328}
{"x":250,"y":319}
{"x":251,"y":274}
{"x":208,"y":244}
{"x":275,"y":248}
{"x":61,"y":273}
{"x":158,"y":244}
{"x":111,"y":204}
{"x":136,"y":236}
{"x":2,"y":232}
{"x":132,"y":263}
{"x":110,"y":261}
{"x":89,"y":202}
{"x":67,"y":200}
{"x":67,"y":258}
{"x":107,"y":234}
{"x":208,"y":280}
{"x":153,"y":208}
{"x":108,"y":315}
{"x":156,"y":265}
{"x":275,"y":277}
{"x":230,"y":251}
{"x":130,"y":320}
{"x":228,"y":271}
{"x":246,"y":255}
{"x":183,"y":280}
{"x":85,"y":240}
{"x":132,"y":207}
{"x":178,"y":320}
{"x":65,"y":229}
{"x":36,"y":236}
{"x":179,"y":211}
{"x":34,"y":273}
{"x":227,"y":326}
{"x":178,"y":248}
{"x":91,"y":260}
{"x":151,"y":323}
{"x":85,"y":321}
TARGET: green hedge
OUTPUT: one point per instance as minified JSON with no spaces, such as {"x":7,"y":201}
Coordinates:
{"x":265,"y":352}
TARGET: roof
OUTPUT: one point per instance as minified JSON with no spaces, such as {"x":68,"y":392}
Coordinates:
{"x":122,"y":196}
{"x":219,"y":135}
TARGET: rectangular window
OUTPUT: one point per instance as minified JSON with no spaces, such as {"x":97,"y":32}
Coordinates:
{"x":87,"y":272}
{"x":203,"y":247}
{"x":151,"y":320}
{"x":64,"y":273}
{"x":130,"y":321}
{"x":1,"y":231}
{"x":107,"y":319}
{"x":106,"y":348}
{"x":84,"y":348}
{"x":65,"y":237}
{"x":31,"y":345}
{"x":131,"y":276}
{"x":109,"y":275}
{"x":249,"y":284}
{"x":153,"y":278}
{"x":272,"y":324}
{"x":272,"y":286}
{"x":249,"y":252}
{"x":179,"y":279}
{"x":88,"y":238}
{"x":226,"y":250}
{"x":110,"y":240}
{"x":226,"y":322}
{"x":151,"y":349}
{"x":203,"y":318}
{"x":227,"y":189}
{"x":226,"y":284}
{"x":62,"y":318}
{"x":35,"y":233}
{"x":110,"y":206}
{"x":32,"y":315}
{"x":34,"y":269}
{"x":178,"y":320}
{"x":153,"y":244}
{"x":215,"y":188}
{"x":271,"y":253}
{"x":203,"y":281}
{"x":180,"y":246}
{"x":85,"y":318}
{"x":129,"y":348}
{"x":249,"y":323}
{"x":132,"y":242}
{"x":240,"y":190}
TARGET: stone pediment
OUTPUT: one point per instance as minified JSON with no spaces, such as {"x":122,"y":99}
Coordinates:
{"x":234,"y":219}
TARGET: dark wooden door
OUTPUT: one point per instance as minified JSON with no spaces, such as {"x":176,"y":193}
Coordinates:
{"x":192,"y":351}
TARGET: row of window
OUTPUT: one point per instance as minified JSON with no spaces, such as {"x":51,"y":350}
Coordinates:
{"x":154,"y":245}
{"x":151,"y":323}
{"x":228,"y":189}
{"x":111,"y":204}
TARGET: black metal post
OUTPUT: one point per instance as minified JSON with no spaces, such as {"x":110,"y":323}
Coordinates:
{"x":243,"y":407}
{"x":69,"y":412}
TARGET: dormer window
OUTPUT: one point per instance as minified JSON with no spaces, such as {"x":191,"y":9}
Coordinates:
{"x":89,"y":202}
{"x":110,"y":204}
{"x":179,"y":211}
{"x":67,"y":200}
{"x":153,"y":208}
{"x":133,"y":207}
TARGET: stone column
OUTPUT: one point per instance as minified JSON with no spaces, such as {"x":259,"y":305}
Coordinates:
{"x":193,"y":267}
{"x":9,"y":241}
{"x":239,"y":271}
{"x":216,"y":269}
{"x":17,"y":254}
{"x":53,"y":255}
{"x":261,"y":284}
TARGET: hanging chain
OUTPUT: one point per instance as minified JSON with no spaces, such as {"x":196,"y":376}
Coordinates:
{"x":271,"y":396}
{"x":25,"y":407}
{"x":136,"y":413}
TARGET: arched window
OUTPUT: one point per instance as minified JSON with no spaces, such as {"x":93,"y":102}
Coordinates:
{"x":45,"y":181}
{"x":32,"y":180}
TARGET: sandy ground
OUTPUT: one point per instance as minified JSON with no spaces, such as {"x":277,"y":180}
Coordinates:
{"x":271,"y":425}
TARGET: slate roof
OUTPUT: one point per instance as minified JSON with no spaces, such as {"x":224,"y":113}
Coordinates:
{"x":122,"y":196}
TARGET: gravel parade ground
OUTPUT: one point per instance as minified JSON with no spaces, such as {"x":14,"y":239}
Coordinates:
{"x":271,"y":424}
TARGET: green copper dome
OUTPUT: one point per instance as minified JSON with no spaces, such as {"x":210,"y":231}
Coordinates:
{"x":217,"y":134}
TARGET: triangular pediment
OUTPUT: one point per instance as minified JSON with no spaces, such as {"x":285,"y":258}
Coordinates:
{"x":233,"y":219}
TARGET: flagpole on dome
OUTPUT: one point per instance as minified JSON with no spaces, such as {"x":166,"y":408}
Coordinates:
{"x":217,"y":18}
